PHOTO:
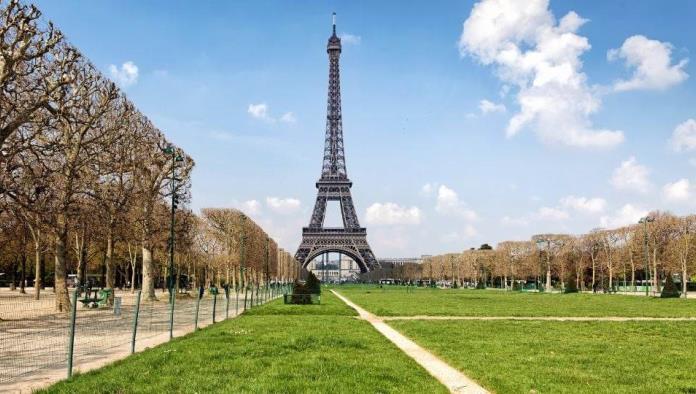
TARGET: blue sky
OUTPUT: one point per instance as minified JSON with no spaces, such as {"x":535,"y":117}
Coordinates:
{"x":603,"y":97}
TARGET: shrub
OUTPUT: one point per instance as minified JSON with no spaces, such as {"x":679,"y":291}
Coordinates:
{"x":313,"y":285}
{"x":481,"y":285}
{"x":669,"y":290}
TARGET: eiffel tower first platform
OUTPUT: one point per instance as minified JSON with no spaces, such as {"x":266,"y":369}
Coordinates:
{"x":334,"y":185}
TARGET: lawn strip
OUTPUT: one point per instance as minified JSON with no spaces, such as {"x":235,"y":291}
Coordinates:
{"x":398,"y":301}
{"x":279,"y":349}
{"x":570,"y":357}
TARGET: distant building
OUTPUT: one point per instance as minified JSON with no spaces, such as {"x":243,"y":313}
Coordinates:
{"x":330,"y":271}
{"x":399,"y":261}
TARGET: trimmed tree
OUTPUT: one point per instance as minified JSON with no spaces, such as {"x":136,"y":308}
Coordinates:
{"x":670,"y":289}
{"x":313,"y":285}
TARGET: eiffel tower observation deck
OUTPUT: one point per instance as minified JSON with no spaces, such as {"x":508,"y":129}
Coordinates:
{"x":334,"y":185}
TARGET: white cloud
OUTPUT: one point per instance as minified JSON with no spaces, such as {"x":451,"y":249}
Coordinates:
{"x":631,"y":176}
{"x":628,"y":214}
{"x":583,"y":204}
{"x":283,"y":205}
{"x":126,"y":75}
{"x":542,"y":58}
{"x":487,"y":107}
{"x":428,"y":189}
{"x":389,"y":213}
{"x":448,"y":203}
{"x":251,"y":207}
{"x":259,"y":111}
{"x":651,"y":63}
{"x":550,"y":213}
{"x":677,"y":191}
{"x":684,"y":136}
{"x":350,"y":39}
{"x":288,"y":117}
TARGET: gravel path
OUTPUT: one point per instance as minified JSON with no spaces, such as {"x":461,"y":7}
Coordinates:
{"x":542,"y":318}
{"x":452,"y":378}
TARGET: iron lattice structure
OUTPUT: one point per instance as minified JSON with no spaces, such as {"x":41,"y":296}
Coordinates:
{"x":334,"y":185}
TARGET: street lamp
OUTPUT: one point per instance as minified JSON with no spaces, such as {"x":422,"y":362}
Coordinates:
{"x":169,"y":150}
{"x":644,"y":221}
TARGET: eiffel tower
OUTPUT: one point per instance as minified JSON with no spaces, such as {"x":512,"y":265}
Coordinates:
{"x":334,"y":185}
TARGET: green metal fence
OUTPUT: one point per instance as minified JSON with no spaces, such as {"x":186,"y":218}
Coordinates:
{"x":36,"y":341}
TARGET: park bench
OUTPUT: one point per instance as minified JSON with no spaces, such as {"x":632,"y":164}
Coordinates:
{"x":96,"y":298}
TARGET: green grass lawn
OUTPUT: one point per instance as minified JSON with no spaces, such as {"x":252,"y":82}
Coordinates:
{"x":396,"y":301}
{"x":272,"y":348}
{"x":565,"y":357}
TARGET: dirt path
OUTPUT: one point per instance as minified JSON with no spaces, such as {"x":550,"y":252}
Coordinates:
{"x":540,"y":318}
{"x":33,"y":352}
{"x":453,"y":379}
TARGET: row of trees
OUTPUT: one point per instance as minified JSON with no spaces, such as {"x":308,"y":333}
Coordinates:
{"x":664,"y":245}
{"x":87,"y":181}
{"x":237,"y":251}
{"x":79,"y":163}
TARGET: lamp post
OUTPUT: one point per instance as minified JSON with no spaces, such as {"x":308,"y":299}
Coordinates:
{"x":172,"y":187}
{"x":644,"y":221}
{"x":169,"y":150}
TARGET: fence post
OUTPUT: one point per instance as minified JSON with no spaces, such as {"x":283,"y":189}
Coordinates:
{"x":214,"y":304}
{"x":227,"y":302}
{"x":135,"y":320}
{"x":172,"y":297}
{"x":198,"y":304}
{"x":71,"y":340}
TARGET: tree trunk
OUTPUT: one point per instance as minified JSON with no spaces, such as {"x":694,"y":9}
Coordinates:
{"x":633,"y":273}
{"x":133,"y":258}
{"x":81,"y":260}
{"x":656,"y":279}
{"x":685,"y":278}
{"x":108,"y":261}
{"x":61,"y":286}
{"x":148,"y":284}
{"x":23,"y":275}
{"x":38,"y":277}
{"x":13,"y":277}
{"x":133,"y":275}
{"x":594,"y":272}
{"x":611,"y":276}
{"x":108,"y":264}
{"x":548,"y":274}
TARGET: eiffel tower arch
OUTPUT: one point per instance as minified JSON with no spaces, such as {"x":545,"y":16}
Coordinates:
{"x":334,"y":185}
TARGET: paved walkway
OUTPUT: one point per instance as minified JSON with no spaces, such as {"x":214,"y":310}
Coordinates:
{"x":452,"y":378}
{"x":542,"y":318}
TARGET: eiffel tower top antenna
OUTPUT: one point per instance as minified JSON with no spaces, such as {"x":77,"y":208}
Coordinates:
{"x":334,"y":165}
